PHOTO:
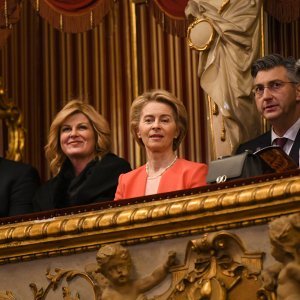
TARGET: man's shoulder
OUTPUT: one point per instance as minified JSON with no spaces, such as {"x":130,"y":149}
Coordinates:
{"x":255,"y":144}
{"x":13,"y":165}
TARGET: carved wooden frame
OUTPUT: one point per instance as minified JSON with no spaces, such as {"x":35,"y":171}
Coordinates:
{"x":184,"y":215}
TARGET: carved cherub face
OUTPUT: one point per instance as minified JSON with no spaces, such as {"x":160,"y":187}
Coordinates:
{"x":117,"y":270}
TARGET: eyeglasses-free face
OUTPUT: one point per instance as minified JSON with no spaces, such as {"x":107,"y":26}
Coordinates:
{"x":157,"y":127}
{"x":77,"y":138}
{"x":276,"y":95}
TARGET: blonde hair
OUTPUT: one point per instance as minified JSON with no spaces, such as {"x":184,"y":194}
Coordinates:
{"x":54,"y":153}
{"x":160,"y":96}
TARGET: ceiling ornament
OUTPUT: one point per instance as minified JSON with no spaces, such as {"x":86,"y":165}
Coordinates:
{"x":73,"y":16}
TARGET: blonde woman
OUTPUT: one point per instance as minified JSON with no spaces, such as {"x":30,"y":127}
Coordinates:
{"x":78,"y":152}
{"x":159,"y":124}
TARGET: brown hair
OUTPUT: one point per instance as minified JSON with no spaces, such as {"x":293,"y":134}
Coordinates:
{"x":271,"y":61}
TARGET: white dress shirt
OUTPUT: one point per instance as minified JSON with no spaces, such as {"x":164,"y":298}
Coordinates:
{"x":290,"y":134}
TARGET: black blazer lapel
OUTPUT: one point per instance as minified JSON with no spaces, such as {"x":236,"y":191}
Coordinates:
{"x":294,"y":153}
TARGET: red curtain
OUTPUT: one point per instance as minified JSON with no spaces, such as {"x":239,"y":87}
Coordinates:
{"x":172,"y":8}
{"x":73,"y":15}
{"x":285,"y":11}
{"x":9,"y":15}
{"x":71,"y":5}
{"x":170,"y":15}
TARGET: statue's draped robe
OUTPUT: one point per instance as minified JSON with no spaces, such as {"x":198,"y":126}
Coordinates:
{"x":224,"y":69}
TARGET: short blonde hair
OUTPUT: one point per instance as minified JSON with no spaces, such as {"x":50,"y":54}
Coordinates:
{"x":54,"y":153}
{"x":160,"y":96}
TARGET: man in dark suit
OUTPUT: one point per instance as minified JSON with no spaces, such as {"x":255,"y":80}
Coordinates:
{"x":277,"y":96}
{"x":18,"y":183}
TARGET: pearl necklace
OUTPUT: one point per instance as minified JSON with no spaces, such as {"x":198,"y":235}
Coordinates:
{"x":162,"y":172}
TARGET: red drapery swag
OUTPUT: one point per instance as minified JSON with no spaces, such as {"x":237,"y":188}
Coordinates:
{"x":73,"y":15}
{"x":283,"y":10}
{"x":9,"y":15}
{"x":71,"y":5}
{"x":170,"y":15}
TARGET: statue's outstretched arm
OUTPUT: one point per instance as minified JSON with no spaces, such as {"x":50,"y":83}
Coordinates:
{"x":159,"y":274}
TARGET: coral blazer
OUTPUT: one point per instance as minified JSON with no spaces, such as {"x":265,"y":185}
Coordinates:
{"x":182,"y":175}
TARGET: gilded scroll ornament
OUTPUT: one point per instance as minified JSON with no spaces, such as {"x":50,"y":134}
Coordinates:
{"x":55,"y":280}
{"x":203,"y":41}
{"x":217,"y":267}
{"x":111,"y":278}
{"x":6,"y":295}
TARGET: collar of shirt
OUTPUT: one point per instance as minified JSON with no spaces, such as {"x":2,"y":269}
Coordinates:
{"x":290,"y":134}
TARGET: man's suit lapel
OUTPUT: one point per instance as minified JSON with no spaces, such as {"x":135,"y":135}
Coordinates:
{"x":263,"y":141}
{"x":294,"y":153}
{"x":267,"y":141}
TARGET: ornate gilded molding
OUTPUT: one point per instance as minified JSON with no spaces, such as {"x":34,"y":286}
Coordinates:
{"x":6,"y":295}
{"x":216,"y":266}
{"x":56,"y":279}
{"x":200,"y":34}
{"x":109,"y":278}
{"x":166,"y":218}
{"x":13,"y":120}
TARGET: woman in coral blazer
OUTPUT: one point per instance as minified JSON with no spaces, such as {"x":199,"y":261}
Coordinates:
{"x":159,"y":123}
